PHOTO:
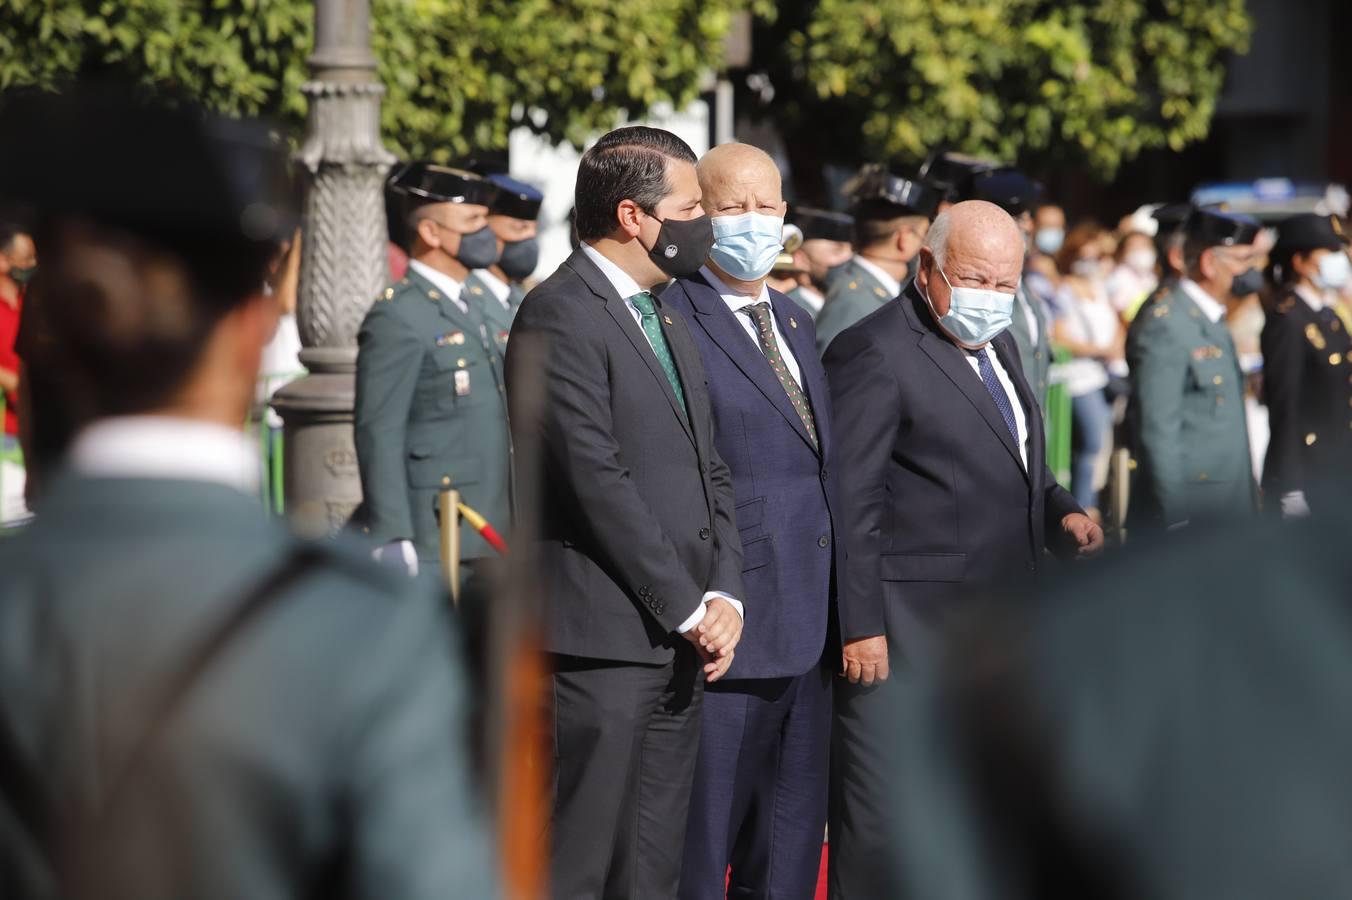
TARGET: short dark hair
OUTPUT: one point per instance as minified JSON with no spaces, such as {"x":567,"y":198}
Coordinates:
{"x":9,"y":230}
{"x":877,"y":220}
{"x":626,"y":164}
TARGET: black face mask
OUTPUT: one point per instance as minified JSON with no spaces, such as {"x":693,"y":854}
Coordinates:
{"x":478,"y":249}
{"x":519,"y":258}
{"x":1250,"y":281}
{"x":682,"y":246}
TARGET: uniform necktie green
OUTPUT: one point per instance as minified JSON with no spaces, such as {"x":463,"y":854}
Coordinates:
{"x":760,"y":314}
{"x":647,"y":308}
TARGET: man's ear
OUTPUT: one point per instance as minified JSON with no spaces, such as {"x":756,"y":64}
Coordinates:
{"x":429,"y":233}
{"x":630,"y":217}
{"x":1206,"y":262}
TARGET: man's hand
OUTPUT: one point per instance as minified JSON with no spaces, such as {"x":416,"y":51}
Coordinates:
{"x":865,"y":660}
{"x":719,"y":631}
{"x":400,"y":555}
{"x":715,"y":669}
{"x":1086,"y":533}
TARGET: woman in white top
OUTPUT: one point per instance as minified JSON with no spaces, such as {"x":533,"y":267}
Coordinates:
{"x":1088,"y":326}
{"x":1133,"y":280}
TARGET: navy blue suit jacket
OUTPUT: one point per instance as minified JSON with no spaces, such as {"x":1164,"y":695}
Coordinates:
{"x":783,"y":486}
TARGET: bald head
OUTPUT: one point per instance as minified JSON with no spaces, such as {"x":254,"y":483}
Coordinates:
{"x":740,"y":178}
{"x":973,"y":244}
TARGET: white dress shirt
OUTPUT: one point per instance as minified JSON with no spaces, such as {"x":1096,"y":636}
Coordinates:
{"x":627,"y":287}
{"x":1313,"y":299}
{"x":496,"y":286}
{"x":1212,"y":308}
{"x":448,"y":286}
{"x":739,"y":304}
{"x":163,"y":447}
{"x":1020,"y":418}
{"x":890,"y":284}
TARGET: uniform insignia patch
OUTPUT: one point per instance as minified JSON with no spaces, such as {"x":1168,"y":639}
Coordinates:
{"x":451,"y":338}
{"x":1315,"y":336}
{"x":667,"y":319}
{"x":793,"y":323}
{"x":502,"y":336}
{"x":1208,"y":352}
{"x":389,"y":292}
{"x":461,"y":383}
{"x":475,"y":290}
{"x":1160,"y":311}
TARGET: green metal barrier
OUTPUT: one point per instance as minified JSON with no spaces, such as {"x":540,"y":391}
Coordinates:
{"x":272,"y":487}
{"x":1059,"y":426}
{"x":14,"y":456}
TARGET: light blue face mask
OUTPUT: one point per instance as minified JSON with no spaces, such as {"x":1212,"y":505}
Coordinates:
{"x":746,"y":246}
{"x":974,"y":316}
{"x":1049,"y":240}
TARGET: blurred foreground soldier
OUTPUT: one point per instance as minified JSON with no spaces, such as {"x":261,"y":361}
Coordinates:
{"x":1307,"y":365}
{"x":431,"y":409}
{"x":826,"y":249}
{"x":18,"y":262}
{"x":944,"y":488}
{"x":1187,"y":393}
{"x":182,"y":716}
{"x":1170,"y":725}
{"x":891,"y":216}
{"x":759,"y":802}
{"x":638,"y":550}
{"x":512,"y":216}
{"x":1169,"y":239}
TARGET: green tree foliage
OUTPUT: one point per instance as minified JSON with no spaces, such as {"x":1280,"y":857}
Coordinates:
{"x":459,"y":73}
{"x":1087,"y":81}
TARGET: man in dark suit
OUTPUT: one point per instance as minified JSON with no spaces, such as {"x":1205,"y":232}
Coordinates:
{"x":194,"y":702}
{"x":944,"y":487}
{"x":759,"y":802}
{"x":638,"y":552}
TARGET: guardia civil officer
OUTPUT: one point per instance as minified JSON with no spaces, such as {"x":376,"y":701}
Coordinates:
{"x":1307,"y":365}
{"x":431,"y":410}
{"x":1187,"y":409}
{"x":824,"y":252}
{"x":513,"y":218}
{"x":194,"y":703}
{"x":891,"y":213}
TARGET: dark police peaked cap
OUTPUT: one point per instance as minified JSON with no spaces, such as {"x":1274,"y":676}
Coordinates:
{"x":951,"y":173}
{"x":115,"y":157}
{"x":1213,"y":228}
{"x":516,"y":198}
{"x":822,"y":224}
{"x":422,"y":180}
{"x":876,"y":181}
{"x":1172,"y":216}
{"x":1309,"y":231}
{"x":1006,"y":187}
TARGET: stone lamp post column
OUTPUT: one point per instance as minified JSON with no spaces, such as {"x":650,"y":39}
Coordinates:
{"x":343,"y":264}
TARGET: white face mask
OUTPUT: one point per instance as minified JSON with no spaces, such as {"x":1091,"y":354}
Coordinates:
{"x":1334,"y":270}
{"x":975,"y":316}
{"x":1085,"y":268}
{"x":1142,"y":261}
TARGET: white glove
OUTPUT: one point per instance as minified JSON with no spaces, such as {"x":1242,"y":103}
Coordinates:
{"x":399,"y":554}
{"x":1294,"y":505}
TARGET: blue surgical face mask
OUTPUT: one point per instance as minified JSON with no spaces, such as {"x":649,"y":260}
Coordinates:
{"x":974,"y":316}
{"x":1049,"y":240}
{"x":746,"y":246}
{"x":1334,"y":270}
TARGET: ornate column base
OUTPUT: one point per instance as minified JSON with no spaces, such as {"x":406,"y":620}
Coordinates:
{"x":322,"y":485}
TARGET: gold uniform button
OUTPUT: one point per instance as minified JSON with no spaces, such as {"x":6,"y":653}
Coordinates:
{"x":1311,"y":438}
{"x":1335,"y":359}
{"x":460,"y":362}
{"x":1217,"y":380}
{"x":389,"y":292}
{"x":1203,"y":477}
{"x":434,"y":295}
{"x":446,"y":480}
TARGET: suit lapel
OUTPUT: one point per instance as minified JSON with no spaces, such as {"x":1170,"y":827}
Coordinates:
{"x":721,"y":324}
{"x":952,"y":363}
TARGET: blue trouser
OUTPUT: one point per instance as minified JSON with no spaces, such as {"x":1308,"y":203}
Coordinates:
{"x":1091,"y":418}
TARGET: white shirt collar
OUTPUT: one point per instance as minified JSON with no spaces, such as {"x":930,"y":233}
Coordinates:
{"x":440,"y":280}
{"x":499,"y":288}
{"x":619,"y":279}
{"x":735,"y":301}
{"x":1212,"y":308}
{"x":163,"y":447}
{"x":1313,"y":299}
{"x":890,"y":284}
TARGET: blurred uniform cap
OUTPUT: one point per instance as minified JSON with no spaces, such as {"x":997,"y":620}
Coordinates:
{"x":1214,"y":228}
{"x":792,"y":240}
{"x":1143,"y":221}
{"x":950,"y":173}
{"x":515,"y":198}
{"x":123,"y":159}
{"x":426,"y":181}
{"x":1006,"y":187}
{"x":877,"y":182}
{"x":822,"y":224}
{"x":1309,"y":231}
{"x":1171,"y":216}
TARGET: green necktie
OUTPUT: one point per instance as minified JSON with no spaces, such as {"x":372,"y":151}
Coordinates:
{"x":643,"y":302}
{"x":761,"y":315}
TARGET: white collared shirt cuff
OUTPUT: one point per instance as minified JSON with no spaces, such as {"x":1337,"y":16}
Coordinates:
{"x":698,"y":614}
{"x":1294,"y":505}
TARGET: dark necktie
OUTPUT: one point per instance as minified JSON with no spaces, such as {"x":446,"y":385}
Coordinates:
{"x":761,"y":315}
{"x":643,"y":302}
{"x":997,"y":392}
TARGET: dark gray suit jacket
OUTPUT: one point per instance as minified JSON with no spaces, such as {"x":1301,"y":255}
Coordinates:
{"x":320,"y":753}
{"x":636,"y":507}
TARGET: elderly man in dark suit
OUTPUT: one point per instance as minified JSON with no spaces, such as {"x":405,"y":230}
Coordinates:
{"x":944,"y":487}
{"x":638,"y":552}
{"x":759,"y":802}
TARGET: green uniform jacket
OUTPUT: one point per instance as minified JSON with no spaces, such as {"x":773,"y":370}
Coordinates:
{"x":431,"y":413}
{"x":500,"y":317}
{"x":319,"y":752}
{"x":854,"y":293}
{"x":1188,"y":426}
{"x":1036,"y":357}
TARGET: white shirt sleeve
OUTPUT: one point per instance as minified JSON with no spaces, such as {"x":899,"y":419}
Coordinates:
{"x":698,"y":614}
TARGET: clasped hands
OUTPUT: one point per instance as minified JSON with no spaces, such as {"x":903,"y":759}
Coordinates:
{"x":716,"y":637}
